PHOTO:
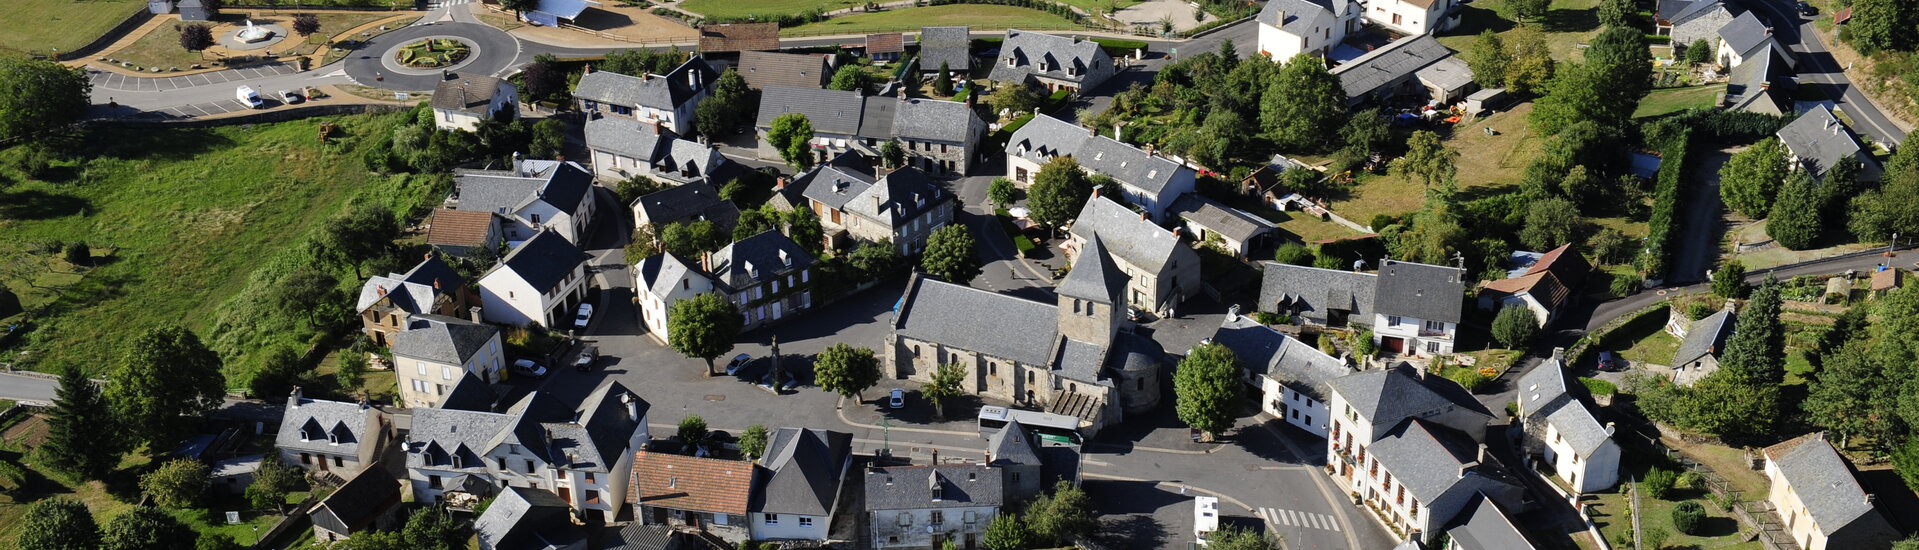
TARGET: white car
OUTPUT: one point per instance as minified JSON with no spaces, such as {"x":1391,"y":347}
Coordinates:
{"x":896,"y":399}
{"x":249,"y":97}
{"x":290,"y":97}
{"x":586,"y":314}
{"x":529,"y":368}
{"x":739,"y":362}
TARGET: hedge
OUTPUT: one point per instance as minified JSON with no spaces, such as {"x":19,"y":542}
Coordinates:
{"x":1672,"y":142}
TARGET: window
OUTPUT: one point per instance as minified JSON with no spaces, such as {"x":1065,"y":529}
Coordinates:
{"x":1309,"y":420}
{"x":589,"y":478}
{"x":772,"y":519}
{"x":1432,"y":347}
{"x":906,"y":518}
{"x":420,"y":366}
{"x":338,"y":462}
{"x":446,"y":373}
{"x":1392,"y":320}
{"x":592,"y":497}
{"x":529,"y":465}
{"x":499,"y":462}
{"x":536,"y":218}
{"x":308,"y":459}
{"x":1015,"y":476}
{"x":433,"y":481}
{"x":936,"y":517}
{"x":806,"y":521}
{"x":970,"y":517}
{"x":1435,"y":326}
{"x":1295,"y":414}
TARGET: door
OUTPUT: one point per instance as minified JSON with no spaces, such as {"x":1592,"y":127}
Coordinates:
{"x":565,"y":494}
{"x":776,"y":310}
{"x":1394,"y":345}
{"x":693,"y":520}
{"x":969,"y":541}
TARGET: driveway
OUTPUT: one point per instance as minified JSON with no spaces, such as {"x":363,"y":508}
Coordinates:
{"x":1700,"y":231}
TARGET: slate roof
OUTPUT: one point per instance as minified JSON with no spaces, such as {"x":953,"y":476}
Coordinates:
{"x":561,"y":184}
{"x":1389,"y":63}
{"x":936,"y":311}
{"x":1483,"y":526}
{"x":640,"y":536}
{"x":1269,"y":353}
{"x":449,"y":227}
{"x":1301,"y":15}
{"x":1680,"y":11}
{"x":1094,"y":276}
{"x":589,"y":437}
{"x":696,"y":200}
{"x":412,"y":298}
{"x":1030,"y":51}
{"x":1823,"y":480}
{"x":833,"y":112}
{"x":1822,"y":140}
{"x":465,"y":92}
{"x":934,"y":120}
{"x":1080,"y":361}
{"x":1386,"y":396}
{"x":1564,"y":262}
{"x":627,"y":137}
{"x":950,"y":45}
{"x":805,"y":471}
{"x":526,"y":518}
{"x":1128,"y":164}
{"x":739,"y":37}
{"x":1044,"y":137}
{"x":441,"y":339}
{"x":681,"y":482}
{"x":1546,"y":397}
{"x":594,"y":436}
{"x":758,"y":258}
{"x":1132,"y":352}
{"x":354,"y":506}
{"x":1230,"y":222}
{"x":911,"y":487}
{"x":848,"y":165}
{"x":1420,"y":291}
{"x":1426,"y":459}
{"x":662,"y":272}
{"x":665,"y":92}
{"x":1705,"y":337}
{"x":1317,"y":291}
{"x":888,"y":42}
{"x":763,"y":69}
{"x":1127,"y":236}
{"x":308,"y":423}
{"x":440,"y":435}
{"x":1745,"y":33}
{"x":1010,"y":445}
{"x":469,"y":394}
{"x":544,"y":260}
{"x":1763,"y":84}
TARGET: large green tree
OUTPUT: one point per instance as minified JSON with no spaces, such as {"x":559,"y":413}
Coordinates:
{"x":1523,"y":11}
{"x":1428,"y":159}
{"x":851,"y":77}
{"x":1583,"y":93}
{"x":363,"y":233}
{"x":943,"y":81}
{"x":1796,"y":216}
{"x":726,"y":107}
{"x":1059,"y":191}
{"x":1206,"y":389}
{"x":1617,"y":13}
{"x":1303,"y":107}
{"x":1488,"y":58}
{"x":59,"y":523}
{"x":1060,"y":517}
{"x":846,"y":370}
{"x":272,"y":481}
{"x":1882,"y":25}
{"x":1531,"y":62}
{"x":951,"y":255}
{"x":1852,"y":395}
{"x":753,"y":442}
{"x":1014,"y":99}
{"x":1750,"y":180}
{"x":690,"y":239}
{"x":81,"y":439}
{"x":164,"y":381}
{"x":943,"y":387}
{"x":39,"y":98}
{"x":1549,"y":223}
{"x":1514,"y":327}
{"x":803,"y":226}
{"x":147,"y":528}
{"x":792,"y":135}
{"x":703,"y":326}
{"x":1006,"y":532}
{"x":1622,"y":55}
{"x":176,"y":484}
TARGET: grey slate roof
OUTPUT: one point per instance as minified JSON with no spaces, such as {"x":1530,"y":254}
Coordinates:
{"x":936,"y":311}
{"x":1094,"y":276}
{"x":1680,"y":11}
{"x":1389,"y":63}
{"x":409,"y":297}
{"x":640,"y":536}
{"x":352,"y":507}
{"x":1705,"y":337}
{"x":1427,"y":458}
{"x":806,"y":467}
{"x":439,"y":435}
{"x":1041,"y":54}
{"x":1820,"y":139}
{"x":308,"y":424}
{"x":434,"y":272}
{"x":1301,"y":15}
{"x":911,"y":487}
{"x":950,"y":45}
{"x":664,"y":92}
{"x":1269,"y":353}
{"x":1231,"y":222}
{"x":1420,"y":291}
{"x":1823,"y":480}
{"x":1010,"y":445}
{"x":1081,"y":361}
{"x":442,"y":339}
{"x":848,"y":165}
{"x":1132,"y":352}
{"x":1386,"y":396}
{"x":561,"y":184}
{"x":1125,"y":234}
{"x":471,"y":393}
{"x":466,"y":93}
{"x":935,"y":120}
{"x":762,"y":69}
{"x":900,"y":197}
{"x":837,"y":185}
{"x":1762,"y":84}
{"x":1745,"y":33}
{"x":1546,"y":396}
{"x":696,"y":200}
{"x":627,"y":137}
{"x":831,"y":112}
{"x":1044,"y":137}
{"x":544,"y":260}
{"x":1317,"y":291}
{"x":758,"y":258}
{"x":594,"y":436}
{"x":1483,"y":526}
{"x":522,"y":518}
{"x":499,"y":193}
{"x":662,"y":272}
{"x":1128,"y":164}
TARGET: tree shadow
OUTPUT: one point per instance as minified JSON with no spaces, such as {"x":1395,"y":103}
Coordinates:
{"x":1570,"y":20}
{"x":1717,"y":526}
{"x":136,"y":143}
{"x":33,"y":204}
{"x":1131,"y":531}
{"x":1474,"y":20}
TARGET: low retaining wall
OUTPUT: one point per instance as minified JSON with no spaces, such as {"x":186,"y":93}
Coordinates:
{"x":277,"y":115}
{"x":139,"y":17}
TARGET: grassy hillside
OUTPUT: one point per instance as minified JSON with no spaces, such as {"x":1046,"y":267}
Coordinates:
{"x":39,"y":25}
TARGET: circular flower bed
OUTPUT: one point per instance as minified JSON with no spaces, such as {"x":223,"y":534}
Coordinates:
{"x":433,"y":52}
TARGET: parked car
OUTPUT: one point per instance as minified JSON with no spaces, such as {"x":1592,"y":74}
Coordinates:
{"x":290,"y":97}
{"x":586,"y":314}
{"x":249,"y":97}
{"x":1609,"y":361}
{"x":529,"y":368}
{"x":588,"y":355}
{"x":896,"y":399}
{"x":739,"y":362}
{"x":1807,"y":9}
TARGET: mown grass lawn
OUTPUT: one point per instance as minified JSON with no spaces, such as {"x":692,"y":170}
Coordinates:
{"x":161,"y":48}
{"x":1567,"y":24}
{"x":1670,"y":100}
{"x":1492,"y":162}
{"x":979,"y":17}
{"x":37,"y":25}
{"x":737,"y":8}
{"x":188,"y":215}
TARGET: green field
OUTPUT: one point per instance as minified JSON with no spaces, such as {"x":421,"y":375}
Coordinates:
{"x":736,"y":8}
{"x":1567,"y":24}
{"x":1671,"y":100}
{"x":979,"y":17}
{"x":37,"y":25}
{"x":180,"y":220}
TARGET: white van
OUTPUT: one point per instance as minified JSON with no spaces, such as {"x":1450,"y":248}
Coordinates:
{"x":249,"y":97}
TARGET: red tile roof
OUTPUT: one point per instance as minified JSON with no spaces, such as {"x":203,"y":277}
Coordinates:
{"x":681,"y":482}
{"x":891,"y":42}
{"x":1543,"y":286}
{"x":459,"y":227}
{"x":1563,"y":262}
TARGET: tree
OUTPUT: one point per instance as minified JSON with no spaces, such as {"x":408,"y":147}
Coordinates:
{"x":164,"y":380}
{"x":944,"y":386}
{"x":1531,"y":65}
{"x":1206,"y":388}
{"x":434,"y":529}
{"x":1905,"y":461}
{"x":1617,"y":13}
{"x":306,"y":24}
{"x":643,"y":61}
{"x":1366,"y":132}
{"x":521,"y":5}
{"x":690,"y":239}
{"x":1488,"y":58}
{"x":693,"y":433}
{"x":631,"y":189}
{"x":703,"y":326}
{"x":1750,"y":179}
{"x":79,"y":254}
{"x":301,"y":291}
{"x":1729,"y":281}
{"x":1795,"y":221}
{"x":1549,"y":223}
{"x":549,"y":139}
{"x":1515,"y":326}
{"x":1882,"y":25}
{"x":1658,"y":483}
{"x":1293,"y":254}
{"x":1851,"y":395}
{"x":1056,"y":519}
{"x":176,"y":484}
{"x":1521,"y":11}
{"x":277,"y":373}
{"x":271,"y":483}
{"x":1755,"y":353}
{"x":875,"y":259}
{"x":753,"y":442}
{"x":1303,"y":105}
{"x":1059,"y":191}
{"x":1234,"y":538}
{"x":80,"y":437}
{"x":803,"y":226}
{"x":1612,"y":246}
{"x":1002,"y":192}
{"x":1006,"y":532}
{"x":1654,"y":537}
{"x":850,"y":77}
{"x":846,"y":370}
{"x":1427,"y":159}
{"x":39,"y":97}
{"x":544,"y":78}
{"x":943,"y":82}
{"x":59,"y":523}
{"x":364,"y":232}
{"x":1699,"y":51}
{"x":217,"y":541}
{"x":1014,"y":99}
{"x":950,"y":255}
{"x":1583,"y":93}
{"x":792,"y":135}
{"x":1686,"y":517}
{"x":196,"y":37}
{"x":147,"y":528}
{"x":726,"y":107}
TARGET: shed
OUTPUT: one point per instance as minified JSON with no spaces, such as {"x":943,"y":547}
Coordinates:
{"x":160,"y":7}
{"x":1886,"y":279}
{"x":194,"y":10}
{"x":233,"y":475}
{"x":1489,"y":99}
{"x":1840,"y":286}
{"x":552,"y":13}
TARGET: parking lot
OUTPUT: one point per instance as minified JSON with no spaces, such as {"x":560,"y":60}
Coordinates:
{"x":105,"y":80}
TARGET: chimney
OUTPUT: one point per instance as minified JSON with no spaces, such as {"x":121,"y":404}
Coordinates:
{"x":969,"y":101}
{"x":426,"y":256}
{"x":1609,"y":429}
{"x":1097,"y":188}
{"x":779,"y":184}
{"x":1768,"y":31}
{"x":1559,"y":354}
{"x":1142,"y":216}
{"x":436,"y":283}
{"x":1282,"y":17}
{"x":475,"y":313}
{"x":902,"y":93}
{"x":1232,"y":313}
{"x":877,"y":203}
{"x":589,"y":69}
{"x":1764,"y":86}
{"x":1482,"y":452}
{"x":1116,"y":133}
{"x":656,"y":126}
{"x":1869,"y":498}
{"x":1177,"y":231}
{"x":294,"y":399}
{"x":706,"y":262}
{"x":646,"y":77}
{"x":1090,"y":132}
{"x":936,"y":456}
{"x":632,"y":406}
{"x":381,"y":289}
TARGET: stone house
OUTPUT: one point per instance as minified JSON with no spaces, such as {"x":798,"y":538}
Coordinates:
{"x":1162,"y":270}
{"x":1052,"y":62}
{"x":622,"y":148}
{"x":1700,"y":343}
{"x":706,"y":494}
{"x":387,"y":304}
{"x":903,"y":207}
{"x":1146,"y":180}
{"x":928,"y":506}
{"x":1560,"y":430}
{"x":1746,"y":37}
{"x":1687,"y":21}
{"x":691,"y":202}
{"x":331,"y":437}
{"x":461,"y":101}
{"x":767,"y":276}
{"x":1211,"y":222}
{"x":535,"y":194}
{"x":949,"y":46}
{"x":368,"y":502}
{"x":1818,"y":140}
{"x":464,"y":233}
{"x":939,"y":137}
{"x":435,"y":353}
{"x":1816,"y":492}
{"x":1413,"y":309}
{"x":538,"y":282}
{"x":667,"y":99}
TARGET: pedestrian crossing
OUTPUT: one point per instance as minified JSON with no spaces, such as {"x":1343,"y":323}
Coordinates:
{"x":1291,"y":518}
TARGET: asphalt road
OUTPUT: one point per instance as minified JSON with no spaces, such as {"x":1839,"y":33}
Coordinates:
{"x":1817,"y":67}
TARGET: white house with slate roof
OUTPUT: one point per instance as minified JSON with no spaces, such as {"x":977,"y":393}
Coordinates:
{"x":331,"y":436}
{"x":1560,"y":429}
{"x":1052,"y":62}
{"x":1818,"y":140}
{"x":1147,"y":180}
{"x":926,"y":506}
{"x":1416,"y":17}
{"x":538,"y":282}
{"x":1291,"y":376}
{"x":461,"y":101}
{"x":1687,"y":21}
{"x":939,"y":136}
{"x":662,"y":280}
{"x":667,"y":99}
{"x":1817,"y":495}
{"x":622,"y":148}
{"x":798,"y":490}
{"x":535,"y":194}
{"x":1746,"y":37}
{"x":1483,"y":526}
{"x":1288,"y":28}
{"x":581,"y":453}
{"x":524,"y":518}
{"x":435,"y":352}
{"x":904,"y":206}
{"x":1162,"y":270}
{"x":1076,"y":357}
{"x":1412,"y":448}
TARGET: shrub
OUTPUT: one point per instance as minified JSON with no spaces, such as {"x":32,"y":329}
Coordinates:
{"x":1690,"y":480}
{"x":1687,"y":516}
{"x":1514,"y":327}
{"x":1658,"y":483}
{"x":78,"y":254}
{"x":1270,"y":318}
{"x":1625,"y":285}
{"x":1654,"y":537}
{"x":1596,"y":386}
{"x":1467,"y":378}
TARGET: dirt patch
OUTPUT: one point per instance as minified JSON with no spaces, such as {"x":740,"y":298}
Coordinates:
{"x":612,"y":26}
{"x":28,"y":433}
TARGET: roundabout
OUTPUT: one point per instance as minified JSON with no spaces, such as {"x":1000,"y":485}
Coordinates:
{"x":414,"y":58}
{"x":438,"y":53}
